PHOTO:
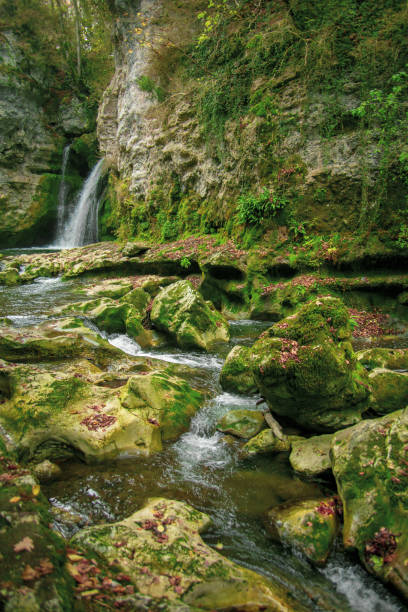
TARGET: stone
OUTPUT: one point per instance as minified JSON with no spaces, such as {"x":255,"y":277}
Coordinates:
{"x":389,"y":390}
{"x":311,"y":457}
{"x":164,"y":556}
{"x":309,"y":373}
{"x":265,"y":442}
{"x":242,"y":423}
{"x":55,"y":340}
{"x":180,"y":311}
{"x":236,"y":375}
{"x":369,"y":462}
{"x":54,"y":414}
{"x":46,"y":471}
{"x":311,"y":526}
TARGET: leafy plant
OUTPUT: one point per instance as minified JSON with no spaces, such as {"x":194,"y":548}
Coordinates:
{"x":146,"y":84}
{"x":253,"y":209}
{"x":185,"y":263}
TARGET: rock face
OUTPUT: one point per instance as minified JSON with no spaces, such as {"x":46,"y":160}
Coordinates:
{"x":164,"y":556}
{"x":180,"y":311}
{"x":309,"y":373}
{"x":310,"y":525}
{"x":369,"y":463}
{"x":51,"y":414}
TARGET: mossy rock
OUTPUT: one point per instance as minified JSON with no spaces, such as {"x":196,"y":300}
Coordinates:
{"x":180,"y":311}
{"x":111,"y":288}
{"x":391,"y":359}
{"x":311,"y":457}
{"x":55,"y":340}
{"x":310,"y":373}
{"x":165,"y":558}
{"x":369,"y":462}
{"x":33,"y":578}
{"x":389,"y":390}
{"x":9,"y":277}
{"x":242,"y":423}
{"x":154,"y":284}
{"x":54,"y":414}
{"x":236,"y":375}
{"x":311,"y":526}
{"x":266,"y":442}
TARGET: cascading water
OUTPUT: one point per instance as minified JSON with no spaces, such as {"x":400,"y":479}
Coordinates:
{"x":62,"y":194}
{"x":82,"y":226}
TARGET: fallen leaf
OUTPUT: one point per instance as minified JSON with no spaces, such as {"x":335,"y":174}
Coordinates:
{"x":36,"y":490}
{"x":14,"y":500}
{"x":29,"y":573}
{"x":26,"y":544}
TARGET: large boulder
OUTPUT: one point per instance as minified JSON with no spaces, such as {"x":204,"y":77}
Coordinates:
{"x":309,"y":525}
{"x":160,"y":549}
{"x":236,"y":375}
{"x":389,"y":390}
{"x":265,"y":443}
{"x":305,"y":368}
{"x":369,"y":463}
{"x":180,"y":311}
{"x":52,"y":414}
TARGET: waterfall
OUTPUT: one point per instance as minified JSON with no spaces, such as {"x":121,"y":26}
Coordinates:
{"x":82,"y":225}
{"x":62,"y":194}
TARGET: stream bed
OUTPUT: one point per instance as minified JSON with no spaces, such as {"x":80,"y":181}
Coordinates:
{"x":201,"y":468}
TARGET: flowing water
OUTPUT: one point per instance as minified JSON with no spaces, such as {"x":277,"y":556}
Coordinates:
{"x":202,"y":469}
{"x":82,"y":226}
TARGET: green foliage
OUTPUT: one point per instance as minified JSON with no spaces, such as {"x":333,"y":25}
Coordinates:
{"x":185,"y":263}
{"x":402,"y":240}
{"x":253,"y":209}
{"x":146,"y":84}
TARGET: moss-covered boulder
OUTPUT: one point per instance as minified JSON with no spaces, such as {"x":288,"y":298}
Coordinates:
{"x":111,"y":288}
{"x":311,"y":457}
{"x":32,"y":557}
{"x":236,"y":375}
{"x":52,"y":414}
{"x":242,"y":423}
{"x":55,"y":340}
{"x":160,"y":549}
{"x":180,"y":311}
{"x":369,"y":462}
{"x":264,"y":443}
{"x":389,"y":390}
{"x":310,"y":373}
{"x":311,"y":526}
{"x":112,"y":317}
{"x":391,"y":359}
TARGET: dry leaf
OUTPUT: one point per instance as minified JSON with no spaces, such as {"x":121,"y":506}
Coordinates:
{"x":26,"y":544}
{"x":36,"y":490}
{"x":29,"y":573}
{"x":14,"y":500}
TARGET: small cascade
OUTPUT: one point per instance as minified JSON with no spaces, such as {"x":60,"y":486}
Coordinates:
{"x":82,"y":225}
{"x":62,"y":194}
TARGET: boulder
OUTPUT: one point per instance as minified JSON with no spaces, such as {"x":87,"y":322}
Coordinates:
{"x":236,"y":375}
{"x":311,"y":526}
{"x":369,"y":462}
{"x":180,"y":311}
{"x":311,"y":457}
{"x":242,"y":423}
{"x":310,"y":373}
{"x":53,"y":414}
{"x":111,"y":287}
{"x":160,"y":549}
{"x":391,"y":359}
{"x":389,"y":390}
{"x":46,"y":471}
{"x":264,"y":443}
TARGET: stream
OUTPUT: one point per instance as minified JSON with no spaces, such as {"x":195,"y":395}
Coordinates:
{"x":201,"y":468}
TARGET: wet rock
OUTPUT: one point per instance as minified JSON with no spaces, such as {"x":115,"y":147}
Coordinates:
{"x":369,"y":463}
{"x":311,"y":457}
{"x":112,"y":288}
{"x":160,"y":549}
{"x":264,"y":443}
{"x":389,"y":390}
{"x":56,"y":414}
{"x":46,"y":471}
{"x":33,"y":574}
{"x":236,"y":375}
{"x":391,"y":359}
{"x":311,"y":526}
{"x":55,"y":340}
{"x":180,"y":311}
{"x":305,"y":368}
{"x":242,"y":423}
